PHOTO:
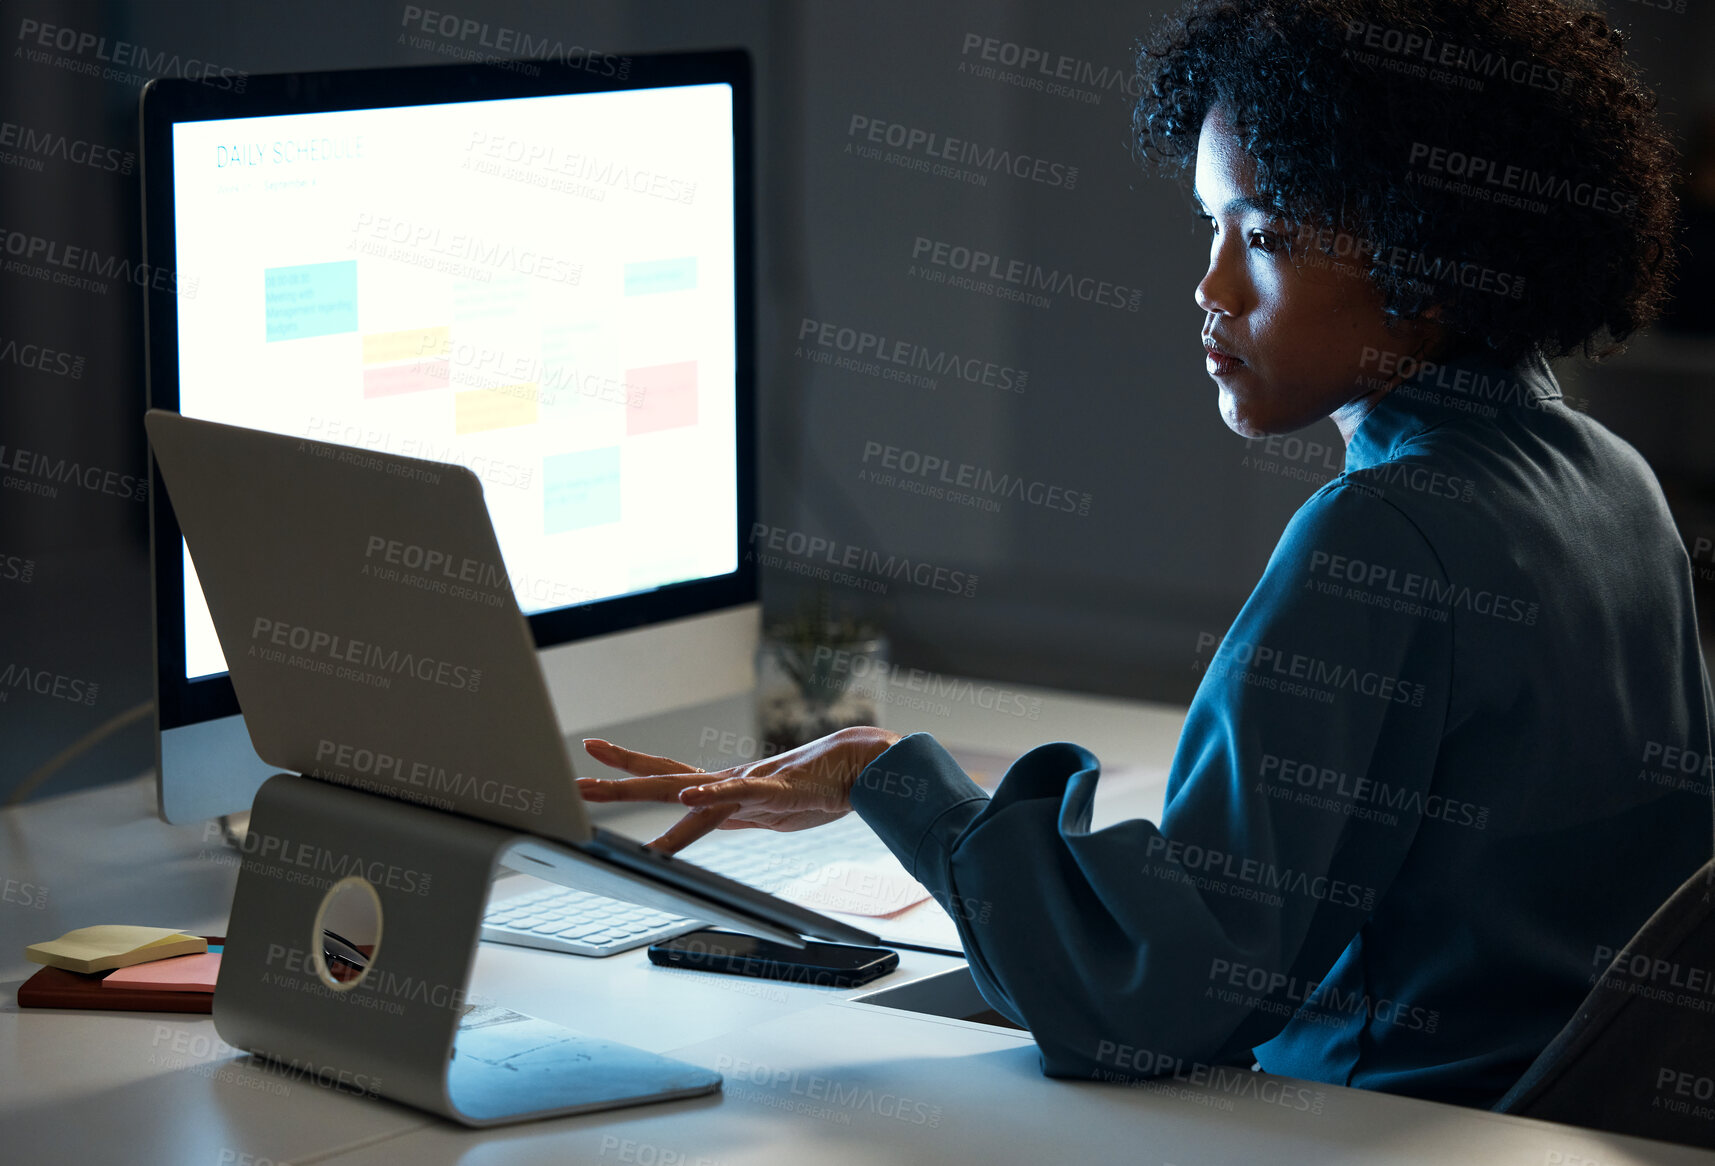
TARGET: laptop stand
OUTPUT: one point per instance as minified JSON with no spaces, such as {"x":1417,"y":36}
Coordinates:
{"x":405,"y":1030}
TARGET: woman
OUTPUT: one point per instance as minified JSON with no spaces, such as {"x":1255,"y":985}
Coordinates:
{"x":1411,"y":806}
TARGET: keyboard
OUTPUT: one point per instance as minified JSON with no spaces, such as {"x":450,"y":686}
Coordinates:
{"x":557,"y":919}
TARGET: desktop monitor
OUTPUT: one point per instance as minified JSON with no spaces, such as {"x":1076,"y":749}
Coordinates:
{"x":540,"y":270}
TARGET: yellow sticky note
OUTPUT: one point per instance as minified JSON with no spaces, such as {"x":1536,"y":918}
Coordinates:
{"x":113,"y":945}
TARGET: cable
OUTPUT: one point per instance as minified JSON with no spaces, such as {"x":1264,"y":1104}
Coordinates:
{"x":77,"y":749}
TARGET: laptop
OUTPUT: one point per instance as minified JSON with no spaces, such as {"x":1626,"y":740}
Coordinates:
{"x":373,"y":639}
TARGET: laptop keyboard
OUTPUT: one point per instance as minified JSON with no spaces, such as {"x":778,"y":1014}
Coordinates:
{"x":558,"y":919}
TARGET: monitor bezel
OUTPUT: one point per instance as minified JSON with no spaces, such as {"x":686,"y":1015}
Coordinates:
{"x":183,"y":701}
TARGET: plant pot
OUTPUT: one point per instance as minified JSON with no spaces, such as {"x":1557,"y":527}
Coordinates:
{"x":806,"y":690}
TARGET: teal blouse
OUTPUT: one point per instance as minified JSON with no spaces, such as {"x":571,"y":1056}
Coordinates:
{"x":1451,"y":754}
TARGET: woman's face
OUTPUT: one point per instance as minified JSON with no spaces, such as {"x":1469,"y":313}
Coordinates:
{"x":1286,"y":347}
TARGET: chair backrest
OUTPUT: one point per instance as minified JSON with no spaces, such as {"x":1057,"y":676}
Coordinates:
{"x":1639,"y":1056}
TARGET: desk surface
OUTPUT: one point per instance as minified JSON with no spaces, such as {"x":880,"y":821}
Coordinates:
{"x":810,"y":1075}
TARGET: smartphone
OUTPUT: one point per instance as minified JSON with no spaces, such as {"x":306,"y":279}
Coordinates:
{"x":830,"y":965}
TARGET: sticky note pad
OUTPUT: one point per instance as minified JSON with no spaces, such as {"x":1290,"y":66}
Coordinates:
{"x":113,"y":945}
{"x":185,"y":973}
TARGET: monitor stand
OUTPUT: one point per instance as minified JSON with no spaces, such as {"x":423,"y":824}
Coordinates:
{"x":405,"y":1030}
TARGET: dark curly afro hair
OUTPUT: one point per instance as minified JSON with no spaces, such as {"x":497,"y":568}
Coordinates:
{"x":1499,"y":162}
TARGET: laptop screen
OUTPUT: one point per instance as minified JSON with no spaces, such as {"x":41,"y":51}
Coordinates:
{"x":357,"y":284}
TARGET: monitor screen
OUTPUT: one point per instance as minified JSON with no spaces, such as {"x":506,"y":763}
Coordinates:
{"x":541,"y":288}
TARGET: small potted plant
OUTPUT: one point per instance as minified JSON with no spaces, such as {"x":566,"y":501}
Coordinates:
{"x":816,"y":673}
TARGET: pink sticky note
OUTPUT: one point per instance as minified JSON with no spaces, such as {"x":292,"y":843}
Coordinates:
{"x":184,"y":973}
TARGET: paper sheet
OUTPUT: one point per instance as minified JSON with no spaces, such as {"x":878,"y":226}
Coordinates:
{"x":856,"y":888}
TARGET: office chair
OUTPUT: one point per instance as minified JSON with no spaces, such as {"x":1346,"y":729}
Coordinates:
{"x":1639,"y":1056}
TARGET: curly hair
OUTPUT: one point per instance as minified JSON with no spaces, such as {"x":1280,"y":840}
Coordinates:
{"x":1498,"y":161}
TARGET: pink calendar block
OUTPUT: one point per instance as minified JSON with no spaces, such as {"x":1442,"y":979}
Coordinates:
{"x":415,"y":377}
{"x":660,"y":396}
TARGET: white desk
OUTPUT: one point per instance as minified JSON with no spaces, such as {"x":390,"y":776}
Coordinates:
{"x":810,"y":1076}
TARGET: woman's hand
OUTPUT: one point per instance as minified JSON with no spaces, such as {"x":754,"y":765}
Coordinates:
{"x":807,"y":786}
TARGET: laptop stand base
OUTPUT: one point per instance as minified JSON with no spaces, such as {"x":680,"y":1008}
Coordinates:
{"x":405,"y":1029}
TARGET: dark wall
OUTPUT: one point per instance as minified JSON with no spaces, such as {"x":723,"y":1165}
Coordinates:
{"x":1116,"y":409}
{"x":1112,"y":517}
